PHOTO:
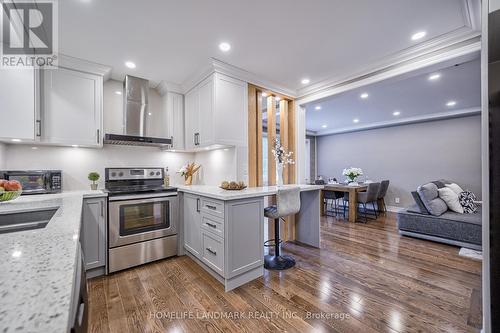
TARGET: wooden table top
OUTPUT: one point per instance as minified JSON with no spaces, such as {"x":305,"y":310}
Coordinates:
{"x":344,"y":187}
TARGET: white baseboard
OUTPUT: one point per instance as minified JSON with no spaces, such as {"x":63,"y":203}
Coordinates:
{"x":394,"y":209}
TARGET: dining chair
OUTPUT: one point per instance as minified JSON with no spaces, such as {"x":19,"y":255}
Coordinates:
{"x":384,"y":185}
{"x":334,"y":196}
{"x":364,"y":198}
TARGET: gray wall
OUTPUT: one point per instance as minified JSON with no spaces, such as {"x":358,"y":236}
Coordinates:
{"x":408,"y":155}
{"x":2,"y":156}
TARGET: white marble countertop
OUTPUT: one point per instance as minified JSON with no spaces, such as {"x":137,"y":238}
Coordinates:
{"x":38,"y":267}
{"x":250,"y":192}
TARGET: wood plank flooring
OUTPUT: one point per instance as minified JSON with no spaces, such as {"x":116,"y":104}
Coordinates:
{"x":365,"y":278}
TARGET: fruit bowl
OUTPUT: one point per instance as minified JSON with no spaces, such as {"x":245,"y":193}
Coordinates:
{"x":10,"y":195}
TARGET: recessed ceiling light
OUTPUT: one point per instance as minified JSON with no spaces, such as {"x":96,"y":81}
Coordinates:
{"x":305,"y":81}
{"x":16,"y":254}
{"x":364,"y":95}
{"x":355,"y":120}
{"x":74,"y":146}
{"x":277,"y":98}
{"x":434,"y":76}
{"x":118,"y":92}
{"x":149,"y":113}
{"x":224,"y":47}
{"x":264,"y":94}
{"x":317,"y":107}
{"x":451,"y":103}
{"x":130,"y":64}
{"x":418,"y":35}
{"x":396,"y":113}
{"x":324,"y":126}
{"x":15,"y":140}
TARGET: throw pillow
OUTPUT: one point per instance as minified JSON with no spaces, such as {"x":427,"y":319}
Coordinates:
{"x":455,"y":188}
{"x":429,"y":195}
{"x":451,"y":199}
{"x":420,"y":207}
{"x":467,"y":199}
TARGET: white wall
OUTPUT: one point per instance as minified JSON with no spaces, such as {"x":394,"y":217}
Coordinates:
{"x":2,"y":156}
{"x":76,"y":163}
{"x":408,"y":155}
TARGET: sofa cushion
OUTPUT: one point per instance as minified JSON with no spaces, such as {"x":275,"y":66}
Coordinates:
{"x":430,"y":197}
{"x":451,"y":199}
{"x":467,"y":200}
{"x":419,"y":206}
{"x":455,"y":188}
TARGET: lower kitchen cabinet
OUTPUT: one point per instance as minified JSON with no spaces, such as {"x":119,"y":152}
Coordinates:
{"x":93,"y":235}
{"x":225,"y":237}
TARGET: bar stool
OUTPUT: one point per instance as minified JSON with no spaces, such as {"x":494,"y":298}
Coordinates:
{"x":287,"y":203}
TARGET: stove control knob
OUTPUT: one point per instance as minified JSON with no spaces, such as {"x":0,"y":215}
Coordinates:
{"x":152,"y":173}
{"x":113,"y":174}
{"x":120,"y":174}
{"x":157,"y":173}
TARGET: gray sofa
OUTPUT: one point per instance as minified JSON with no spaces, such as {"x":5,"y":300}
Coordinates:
{"x":451,"y":228}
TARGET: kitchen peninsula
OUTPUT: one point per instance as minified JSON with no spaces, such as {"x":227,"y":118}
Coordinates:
{"x":223,"y":230}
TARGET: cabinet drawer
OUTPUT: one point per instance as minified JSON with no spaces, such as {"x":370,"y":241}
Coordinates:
{"x":212,"y":225}
{"x":213,"y":207}
{"x":213,"y":252}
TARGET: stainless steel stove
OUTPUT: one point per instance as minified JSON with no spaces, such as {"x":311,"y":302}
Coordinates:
{"x":143,"y":217}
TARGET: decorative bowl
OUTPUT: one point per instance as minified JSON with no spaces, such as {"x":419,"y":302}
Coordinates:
{"x":234,"y":189}
{"x":10,"y":195}
{"x":232,"y":186}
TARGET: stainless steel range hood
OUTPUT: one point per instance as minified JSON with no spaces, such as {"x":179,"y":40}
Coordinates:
{"x":136,"y":130}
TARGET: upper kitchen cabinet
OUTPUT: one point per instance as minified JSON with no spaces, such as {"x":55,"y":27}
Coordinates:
{"x":71,"y":111}
{"x":18,"y":104}
{"x":215,"y":112}
{"x":174,"y":106}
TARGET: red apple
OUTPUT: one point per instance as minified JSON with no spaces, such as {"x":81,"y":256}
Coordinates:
{"x":2,"y":182}
{"x":12,"y":185}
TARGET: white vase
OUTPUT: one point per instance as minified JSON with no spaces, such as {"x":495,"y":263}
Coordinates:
{"x":279,"y":167}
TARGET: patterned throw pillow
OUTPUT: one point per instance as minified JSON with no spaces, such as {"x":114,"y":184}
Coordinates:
{"x":467,"y":199}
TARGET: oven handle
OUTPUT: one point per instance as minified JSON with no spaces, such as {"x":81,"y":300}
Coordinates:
{"x":147,"y":197}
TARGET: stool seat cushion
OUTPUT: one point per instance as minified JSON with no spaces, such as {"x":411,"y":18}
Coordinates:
{"x":271,"y":212}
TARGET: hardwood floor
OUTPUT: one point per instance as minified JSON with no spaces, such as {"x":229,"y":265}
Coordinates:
{"x":365,"y":278}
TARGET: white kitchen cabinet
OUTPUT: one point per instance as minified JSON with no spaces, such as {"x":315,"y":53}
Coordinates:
{"x":192,"y":225}
{"x":71,"y":112}
{"x":18,"y":104}
{"x":216,"y":113}
{"x":174,"y":104}
{"x":93,"y":235}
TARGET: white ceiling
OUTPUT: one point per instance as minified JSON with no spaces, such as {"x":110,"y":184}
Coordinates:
{"x":281,"y":40}
{"x":415,"y":97}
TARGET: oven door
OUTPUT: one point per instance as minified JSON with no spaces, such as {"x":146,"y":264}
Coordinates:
{"x":138,"y":219}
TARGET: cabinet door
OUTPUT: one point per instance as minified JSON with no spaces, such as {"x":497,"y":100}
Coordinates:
{"x":192,"y":224}
{"x":93,"y":232}
{"x":72,"y":108}
{"x":175,"y":107}
{"x":206,"y":110}
{"x":191,"y":118}
{"x":18,"y":104}
{"x":230,"y":111}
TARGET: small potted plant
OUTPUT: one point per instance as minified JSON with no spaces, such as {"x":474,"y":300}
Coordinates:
{"x":352,"y":174}
{"x":93,"y":177}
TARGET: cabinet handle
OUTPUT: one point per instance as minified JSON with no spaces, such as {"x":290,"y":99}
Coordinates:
{"x":211,"y":225}
{"x":102,"y":209}
{"x":38,"y":128}
{"x":98,"y":136}
{"x":198,"y":205}
{"x":211,"y":251}
{"x":211,"y":207}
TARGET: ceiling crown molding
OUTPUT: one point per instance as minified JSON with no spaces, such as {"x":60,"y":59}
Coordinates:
{"x":86,"y":66}
{"x":163,"y":87}
{"x":405,"y":121}
{"x":218,"y":66}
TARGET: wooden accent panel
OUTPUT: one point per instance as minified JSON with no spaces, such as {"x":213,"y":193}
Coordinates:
{"x":252,"y":136}
{"x":284,"y":133}
{"x":259,"y":153}
{"x":292,"y":141}
{"x":271,"y":135}
{"x":371,"y":273}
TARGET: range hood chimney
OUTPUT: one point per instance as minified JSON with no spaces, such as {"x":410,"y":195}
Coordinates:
{"x":135,"y":113}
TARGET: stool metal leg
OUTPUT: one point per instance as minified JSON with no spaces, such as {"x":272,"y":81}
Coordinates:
{"x":278,"y":261}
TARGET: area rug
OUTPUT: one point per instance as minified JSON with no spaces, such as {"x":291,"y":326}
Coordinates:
{"x":473,"y":254}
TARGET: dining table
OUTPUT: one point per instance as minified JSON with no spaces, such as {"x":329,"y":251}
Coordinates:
{"x":352,"y":190}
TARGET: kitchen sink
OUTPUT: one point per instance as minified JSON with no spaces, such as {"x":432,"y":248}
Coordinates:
{"x":26,"y":219}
